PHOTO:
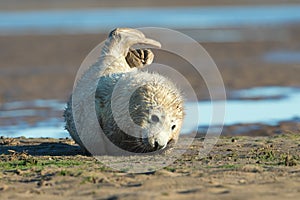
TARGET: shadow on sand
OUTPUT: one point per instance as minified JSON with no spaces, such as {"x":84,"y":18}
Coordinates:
{"x":44,"y":149}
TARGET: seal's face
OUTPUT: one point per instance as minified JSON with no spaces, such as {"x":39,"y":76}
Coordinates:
{"x":161,"y":129}
{"x":158,"y":110}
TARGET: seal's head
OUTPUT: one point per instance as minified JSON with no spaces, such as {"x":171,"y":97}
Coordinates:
{"x":147,"y":110}
{"x":160,"y":109}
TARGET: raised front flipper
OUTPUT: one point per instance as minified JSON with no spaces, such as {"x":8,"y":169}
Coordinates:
{"x":139,"y":58}
{"x":118,"y":54}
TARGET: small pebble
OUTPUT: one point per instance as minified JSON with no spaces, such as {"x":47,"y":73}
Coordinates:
{"x":242,"y":181}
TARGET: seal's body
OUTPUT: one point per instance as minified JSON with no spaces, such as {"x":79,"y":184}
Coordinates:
{"x":138,"y":111}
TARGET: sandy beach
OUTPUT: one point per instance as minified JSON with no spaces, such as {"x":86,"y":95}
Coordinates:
{"x":236,"y":168}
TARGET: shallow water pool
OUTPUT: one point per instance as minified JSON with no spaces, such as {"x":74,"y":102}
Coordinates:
{"x":38,"y":118}
{"x":266,"y":105}
{"x":282,"y":57}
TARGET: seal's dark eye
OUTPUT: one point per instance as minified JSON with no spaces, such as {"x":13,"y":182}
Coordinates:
{"x":173,"y":127}
{"x":154,"y":118}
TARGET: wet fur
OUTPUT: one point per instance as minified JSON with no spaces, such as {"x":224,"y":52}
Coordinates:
{"x":154,"y":93}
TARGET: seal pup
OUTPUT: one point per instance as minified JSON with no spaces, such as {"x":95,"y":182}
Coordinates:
{"x":155,"y":105}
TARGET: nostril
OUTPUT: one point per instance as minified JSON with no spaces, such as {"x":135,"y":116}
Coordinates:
{"x":156,"y":145}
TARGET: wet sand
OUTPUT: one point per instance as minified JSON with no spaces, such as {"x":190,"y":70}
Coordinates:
{"x":236,"y":168}
{"x":44,"y":66}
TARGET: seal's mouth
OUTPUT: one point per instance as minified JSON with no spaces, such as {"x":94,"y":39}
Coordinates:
{"x":142,"y":145}
{"x":155,"y":146}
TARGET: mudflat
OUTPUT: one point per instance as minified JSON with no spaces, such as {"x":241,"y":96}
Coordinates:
{"x":236,"y":168}
{"x":45,"y":66}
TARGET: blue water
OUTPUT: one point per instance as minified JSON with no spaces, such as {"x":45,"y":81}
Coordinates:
{"x":53,"y":128}
{"x":32,"y":119}
{"x":266,"y":111}
{"x":282,"y":57}
{"x":265,"y":92}
{"x":96,"y":20}
{"x":15,"y":116}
